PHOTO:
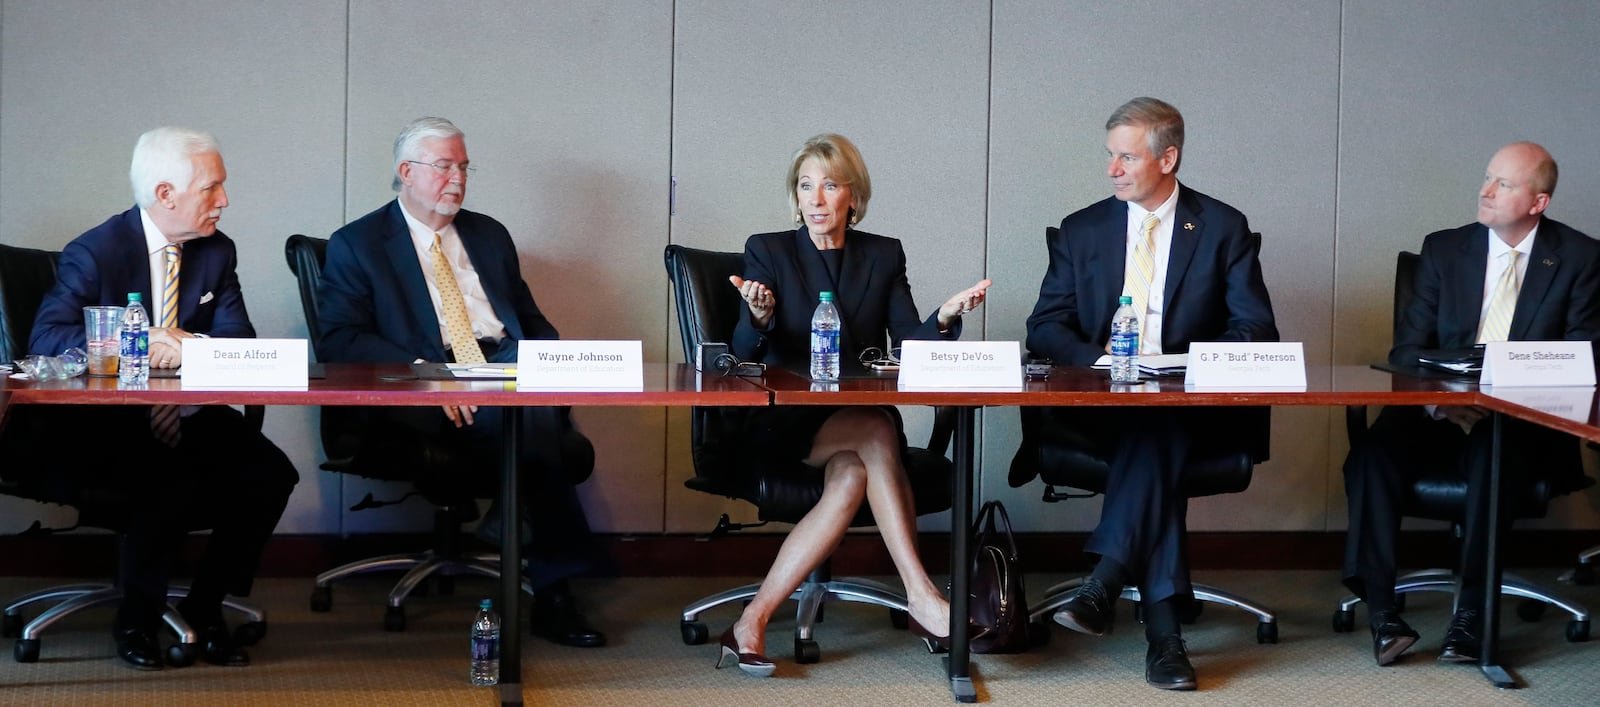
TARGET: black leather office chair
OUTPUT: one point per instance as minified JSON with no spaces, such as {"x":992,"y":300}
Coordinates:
{"x":353,"y":448}
{"x":1443,"y":496}
{"x":26,"y":275}
{"x":1062,"y":457}
{"x":708,"y":309}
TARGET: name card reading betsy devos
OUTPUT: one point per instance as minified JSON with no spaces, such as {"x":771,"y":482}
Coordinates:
{"x":611,"y":365}
{"x":244,"y":363}
{"x":1538,"y":363}
{"x":960,"y":364}
{"x":1246,"y":364}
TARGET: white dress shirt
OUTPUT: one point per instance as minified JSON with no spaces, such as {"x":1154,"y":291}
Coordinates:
{"x":485,"y":323}
{"x":1150,"y":333}
{"x":1496,"y":265}
{"x":156,"y":244}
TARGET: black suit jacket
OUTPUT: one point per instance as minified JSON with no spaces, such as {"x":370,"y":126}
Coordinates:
{"x":1214,"y":290}
{"x":1559,"y":299}
{"x":374,"y":303}
{"x":872,"y":295}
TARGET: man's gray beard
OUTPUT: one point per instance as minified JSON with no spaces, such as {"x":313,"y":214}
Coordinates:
{"x":446,"y":208}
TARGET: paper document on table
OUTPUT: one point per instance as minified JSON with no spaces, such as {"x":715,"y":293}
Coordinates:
{"x":1157,"y":365}
{"x":499,"y":371}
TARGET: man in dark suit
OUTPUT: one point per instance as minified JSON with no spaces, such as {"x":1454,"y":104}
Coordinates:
{"x":179,"y":468}
{"x":421,"y":279}
{"x":1513,"y":275}
{"x":1190,"y":264}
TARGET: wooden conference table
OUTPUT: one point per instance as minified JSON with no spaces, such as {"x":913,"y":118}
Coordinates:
{"x":397,"y":385}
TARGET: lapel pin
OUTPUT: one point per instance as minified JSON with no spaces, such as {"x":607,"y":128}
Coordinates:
{"x":1548,"y":262}
{"x":1188,"y":226}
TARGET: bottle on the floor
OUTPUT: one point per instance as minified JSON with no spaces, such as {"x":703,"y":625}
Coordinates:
{"x":486,"y":645}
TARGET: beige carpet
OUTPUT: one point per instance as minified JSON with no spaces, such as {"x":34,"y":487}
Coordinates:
{"x":345,"y":658}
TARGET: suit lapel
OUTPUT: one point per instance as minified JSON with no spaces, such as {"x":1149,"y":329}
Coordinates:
{"x":192,"y":276}
{"x":1187,"y":227}
{"x":1543,"y":264}
{"x":1468,"y":288}
{"x":413,"y":286}
{"x":1108,"y":244}
{"x":494,"y":286}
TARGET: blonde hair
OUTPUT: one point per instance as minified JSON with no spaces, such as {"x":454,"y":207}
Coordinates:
{"x":842,"y":161}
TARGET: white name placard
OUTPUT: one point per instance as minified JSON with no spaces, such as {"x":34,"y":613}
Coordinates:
{"x":1246,"y":364}
{"x":244,"y":363}
{"x":960,"y":364}
{"x":543,"y":364}
{"x":1537,"y":363}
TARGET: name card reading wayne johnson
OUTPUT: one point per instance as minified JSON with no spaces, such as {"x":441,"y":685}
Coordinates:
{"x":244,"y":363}
{"x":1246,"y":364}
{"x":610,"y":365}
{"x":960,"y":364}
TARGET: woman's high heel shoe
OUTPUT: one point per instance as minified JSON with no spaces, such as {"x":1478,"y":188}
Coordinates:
{"x":935,"y":644}
{"x":753,"y":664}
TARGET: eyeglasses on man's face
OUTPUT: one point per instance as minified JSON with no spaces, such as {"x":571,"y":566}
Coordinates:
{"x":444,"y":167}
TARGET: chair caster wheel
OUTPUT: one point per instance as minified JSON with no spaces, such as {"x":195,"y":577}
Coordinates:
{"x":11,"y":625}
{"x":899,"y":619}
{"x":182,"y":655}
{"x":806,"y":651}
{"x":1344,"y":620}
{"x":1577,"y":631}
{"x":1038,"y":634}
{"x":694,"y":632}
{"x":322,"y":599}
{"x":1530,"y":610}
{"x":250,"y":633}
{"x":26,"y":650}
{"x":1266,"y":633}
{"x":394,"y":619}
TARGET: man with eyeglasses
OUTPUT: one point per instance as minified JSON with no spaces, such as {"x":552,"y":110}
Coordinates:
{"x":423,"y":280}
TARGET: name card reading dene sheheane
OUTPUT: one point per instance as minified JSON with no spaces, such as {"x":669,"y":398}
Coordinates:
{"x":244,"y":363}
{"x":545,"y":364}
{"x":1537,"y":363}
{"x":960,"y":364}
{"x":1246,"y":364}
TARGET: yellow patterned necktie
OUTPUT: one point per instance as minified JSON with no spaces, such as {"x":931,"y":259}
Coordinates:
{"x":462,"y":342}
{"x":1141,"y":270}
{"x":164,"y":422}
{"x":1496,"y":322}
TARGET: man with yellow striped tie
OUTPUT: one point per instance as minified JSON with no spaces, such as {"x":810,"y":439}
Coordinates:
{"x":1514,"y":275}
{"x":178,"y":469}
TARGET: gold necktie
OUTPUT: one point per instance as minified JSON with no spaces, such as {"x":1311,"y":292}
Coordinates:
{"x":1496,"y":322}
{"x":462,"y":342}
{"x":164,"y":423}
{"x":1141,"y":270}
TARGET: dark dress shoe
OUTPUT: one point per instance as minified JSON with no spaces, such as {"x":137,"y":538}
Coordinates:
{"x":1391,"y":636}
{"x":218,"y":647}
{"x":1090,"y":610}
{"x":556,"y":618}
{"x":753,"y":664}
{"x":1166,"y":665}
{"x":138,"y":648}
{"x":1463,"y":642}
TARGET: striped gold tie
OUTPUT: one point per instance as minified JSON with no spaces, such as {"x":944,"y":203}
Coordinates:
{"x":164,"y":422}
{"x":462,"y":342}
{"x":1142,"y":268}
{"x":1496,"y":322}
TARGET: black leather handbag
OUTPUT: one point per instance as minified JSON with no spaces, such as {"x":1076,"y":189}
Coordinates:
{"x":999,"y":609}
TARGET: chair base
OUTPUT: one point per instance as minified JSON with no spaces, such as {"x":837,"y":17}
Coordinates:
{"x":1583,"y":573}
{"x":1440,"y":580}
{"x":1058,"y":595}
{"x":418,"y":567}
{"x":73,"y":598}
{"x":809,"y":597}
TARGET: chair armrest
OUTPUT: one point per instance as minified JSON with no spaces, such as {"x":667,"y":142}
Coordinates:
{"x":254,"y":416}
{"x":1355,"y":423}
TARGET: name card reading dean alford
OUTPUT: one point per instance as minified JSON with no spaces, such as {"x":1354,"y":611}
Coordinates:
{"x":1537,"y":363}
{"x":244,"y":363}
{"x":960,"y":364}
{"x":544,"y":364}
{"x":1241,"y":365}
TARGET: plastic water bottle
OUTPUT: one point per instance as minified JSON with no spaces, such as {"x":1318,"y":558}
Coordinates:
{"x":1125,"y":343}
{"x":825,"y":340}
{"x":486,"y":646}
{"x":133,"y":365}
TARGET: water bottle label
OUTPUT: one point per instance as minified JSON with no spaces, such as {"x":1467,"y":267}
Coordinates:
{"x":485,"y":649}
{"x":1124,"y":344}
{"x":824,"y":342}
{"x":135,"y":344}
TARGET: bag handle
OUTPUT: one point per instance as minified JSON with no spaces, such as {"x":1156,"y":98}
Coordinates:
{"x":985,"y":524}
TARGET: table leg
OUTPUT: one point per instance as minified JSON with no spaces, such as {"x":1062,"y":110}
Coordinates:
{"x":511,"y":625}
{"x":958,"y":663}
{"x":1489,"y":661}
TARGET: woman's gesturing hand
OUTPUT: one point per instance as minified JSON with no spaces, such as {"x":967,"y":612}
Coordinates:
{"x":758,"y":297}
{"x":963,"y":302}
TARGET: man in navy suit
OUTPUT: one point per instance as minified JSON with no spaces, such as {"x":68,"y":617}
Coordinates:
{"x":1200,"y":280}
{"x":216,"y":471}
{"x":1549,"y":277}
{"x":421,"y":279}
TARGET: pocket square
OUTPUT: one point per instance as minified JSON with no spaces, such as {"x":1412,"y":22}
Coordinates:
{"x":207,"y":297}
